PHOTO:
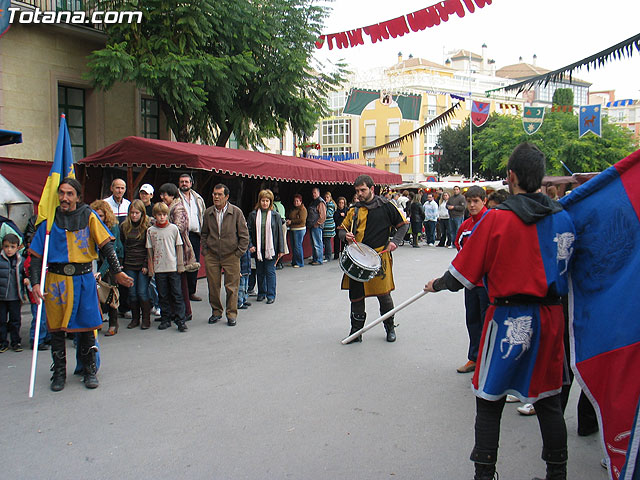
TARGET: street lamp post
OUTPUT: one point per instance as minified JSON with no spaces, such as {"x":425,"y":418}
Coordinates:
{"x":437,"y":154}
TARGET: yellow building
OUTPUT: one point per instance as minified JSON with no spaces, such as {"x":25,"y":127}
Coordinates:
{"x":378,"y":109}
{"x":41,"y":76}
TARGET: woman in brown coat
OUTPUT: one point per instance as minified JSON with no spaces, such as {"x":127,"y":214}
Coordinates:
{"x":296,"y":221}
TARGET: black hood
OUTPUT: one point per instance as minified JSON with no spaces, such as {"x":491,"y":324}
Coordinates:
{"x":75,"y":220}
{"x":375,"y":202}
{"x":530,"y":207}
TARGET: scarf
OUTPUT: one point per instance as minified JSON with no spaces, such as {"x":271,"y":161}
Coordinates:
{"x":162,"y":225}
{"x":269,"y":252}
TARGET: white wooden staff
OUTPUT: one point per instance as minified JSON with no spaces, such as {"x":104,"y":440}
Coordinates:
{"x":381,"y":319}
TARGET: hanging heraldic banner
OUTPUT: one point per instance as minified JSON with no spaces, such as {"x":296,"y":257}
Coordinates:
{"x":590,"y":120}
{"x":479,"y":113}
{"x":532,"y":119}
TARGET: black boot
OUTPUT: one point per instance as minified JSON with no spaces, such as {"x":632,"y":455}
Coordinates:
{"x":88,"y":351}
{"x":59,"y":365}
{"x":555,"y":471}
{"x":135,"y":315}
{"x":485,"y":471}
{"x":390,"y":328}
{"x":357,"y":322}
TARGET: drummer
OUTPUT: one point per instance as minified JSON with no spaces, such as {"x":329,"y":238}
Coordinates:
{"x":370,"y":221}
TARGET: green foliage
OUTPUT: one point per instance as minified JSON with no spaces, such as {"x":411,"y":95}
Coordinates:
{"x":563,"y":96}
{"x":557,"y":138}
{"x":221,"y":66}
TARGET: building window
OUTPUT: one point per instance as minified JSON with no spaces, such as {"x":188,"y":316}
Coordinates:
{"x":335,"y":150}
{"x":394,"y":167}
{"x":337,"y":101}
{"x":431,"y":105}
{"x":150,"y":117}
{"x":69,"y":5}
{"x":233,"y":141}
{"x":336,"y":132}
{"x":71,"y":103}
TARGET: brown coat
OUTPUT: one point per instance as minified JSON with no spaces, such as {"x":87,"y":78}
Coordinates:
{"x":234,"y":238}
{"x":298,"y":217}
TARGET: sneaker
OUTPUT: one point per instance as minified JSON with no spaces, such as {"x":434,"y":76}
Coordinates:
{"x":296,"y":266}
{"x":4,"y":347}
{"x":468,"y":367}
{"x":156,"y":311}
{"x":164,"y":325}
{"x":17,"y":347}
{"x":605,"y":462}
{"x":512,"y":399}
{"x":450,"y":246}
{"x":527,"y":409}
{"x":127,"y":314}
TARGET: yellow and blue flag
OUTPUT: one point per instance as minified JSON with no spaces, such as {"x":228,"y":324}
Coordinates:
{"x":62,"y":167}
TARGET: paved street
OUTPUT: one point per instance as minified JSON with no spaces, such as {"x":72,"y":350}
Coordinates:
{"x":275,"y":397}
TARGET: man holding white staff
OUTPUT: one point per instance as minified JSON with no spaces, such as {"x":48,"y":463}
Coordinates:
{"x":370,"y":221}
{"x":70,"y":294}
{"x":521,"y":250}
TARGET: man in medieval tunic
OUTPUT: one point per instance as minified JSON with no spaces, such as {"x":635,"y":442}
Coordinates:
{"x":520,"y":250}
{"x":371,"y":221}
{"x":70,"y":295}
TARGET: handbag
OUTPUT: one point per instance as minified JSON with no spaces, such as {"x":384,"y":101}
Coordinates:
{"x":108,"y":294}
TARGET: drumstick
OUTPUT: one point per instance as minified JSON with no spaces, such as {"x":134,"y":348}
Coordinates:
{"x":381,"y":319}
{"x":354,"y":241}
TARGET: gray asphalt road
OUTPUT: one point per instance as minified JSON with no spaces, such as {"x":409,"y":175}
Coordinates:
{"x":275,"y":397}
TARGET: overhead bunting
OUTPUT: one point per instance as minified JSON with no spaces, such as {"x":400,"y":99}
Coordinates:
{"x":622,"y":49}
{"x":440,"y":119}
{"x":562,"y":108}
{"x":509,"y":106}
{"x":532,"y":119}
{"x":590,"y":120}
{"x":479,"y":113}
{"x":397,"y":27}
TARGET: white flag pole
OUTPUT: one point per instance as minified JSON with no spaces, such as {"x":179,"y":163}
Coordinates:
{"x":36,"y":334}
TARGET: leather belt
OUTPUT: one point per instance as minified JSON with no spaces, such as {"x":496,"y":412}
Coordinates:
{"x":527,"y":300}
{"x":70,"y":269}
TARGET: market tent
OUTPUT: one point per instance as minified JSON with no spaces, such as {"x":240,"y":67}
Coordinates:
{"x":146,"y":153}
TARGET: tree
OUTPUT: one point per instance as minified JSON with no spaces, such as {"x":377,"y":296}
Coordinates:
{"x":219,"y":67}
{"x":563,"y":96}
{"x":557,"y":138}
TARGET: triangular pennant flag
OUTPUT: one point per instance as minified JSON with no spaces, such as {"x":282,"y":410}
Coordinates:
{"x":532,"y":119}
{"x":590,"y":120}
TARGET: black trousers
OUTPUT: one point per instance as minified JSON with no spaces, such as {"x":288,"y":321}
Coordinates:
{"x":476,"y":303}
{"x":192,"y":277}
{"x":10,"y":321}
{"x":170,"y":295}
{"x":550,"y":419}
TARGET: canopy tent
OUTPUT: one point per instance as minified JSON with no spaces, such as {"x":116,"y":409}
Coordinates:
{"x":144,"y":152}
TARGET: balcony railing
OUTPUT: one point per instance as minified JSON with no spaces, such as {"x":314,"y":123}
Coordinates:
{"x":368,"y":142}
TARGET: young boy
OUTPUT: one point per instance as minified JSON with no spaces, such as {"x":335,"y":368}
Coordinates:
{"x":164,"y":246}
{"x":10,"y":293}
{"x":476,"y":300}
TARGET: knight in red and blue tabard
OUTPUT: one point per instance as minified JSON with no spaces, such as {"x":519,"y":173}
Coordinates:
{"x":521,"y":251}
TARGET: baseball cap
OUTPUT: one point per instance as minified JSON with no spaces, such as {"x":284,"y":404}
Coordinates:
{"x":147,"y":188}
